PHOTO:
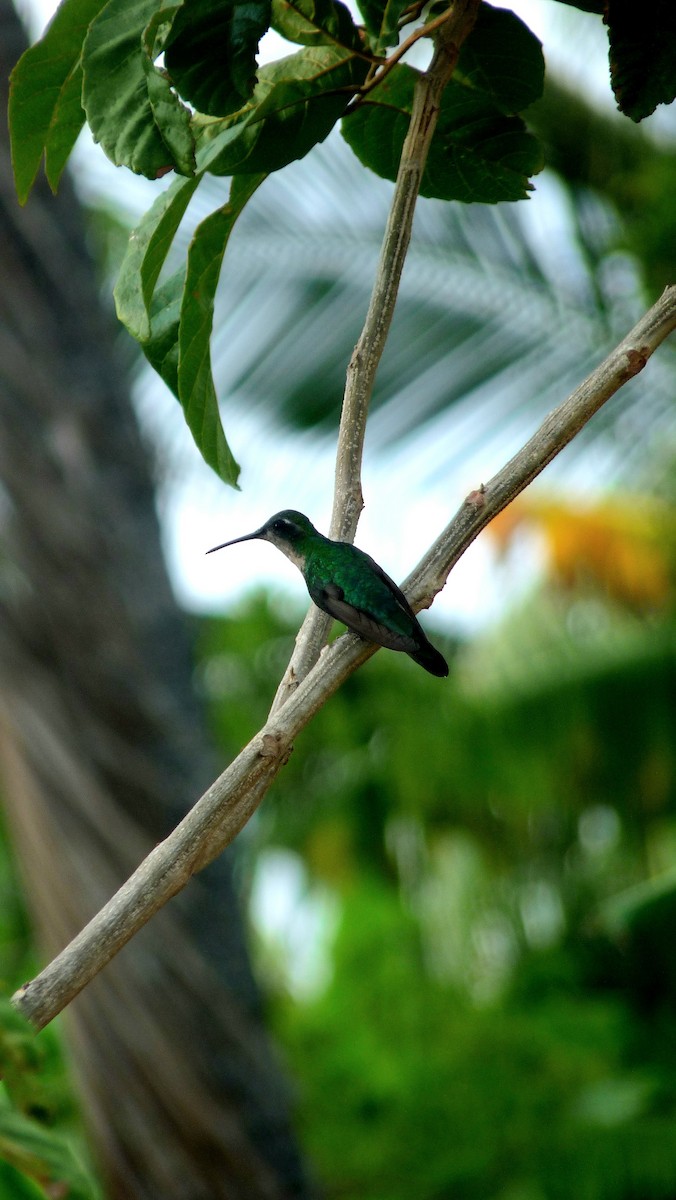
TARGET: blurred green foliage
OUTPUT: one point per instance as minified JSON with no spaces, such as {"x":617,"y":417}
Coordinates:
{"x":42,"y":1151}
{"x":498,"y":1015}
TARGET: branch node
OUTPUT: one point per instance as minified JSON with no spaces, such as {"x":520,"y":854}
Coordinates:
{"x":477,"y":498}
{"x":271,"y":747}
{"x":637,"y":358}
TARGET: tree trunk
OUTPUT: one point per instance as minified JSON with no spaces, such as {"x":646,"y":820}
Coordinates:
{"x":103,"y":745}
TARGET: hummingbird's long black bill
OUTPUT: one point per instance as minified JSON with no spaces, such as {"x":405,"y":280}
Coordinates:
{"x":248,"y":537}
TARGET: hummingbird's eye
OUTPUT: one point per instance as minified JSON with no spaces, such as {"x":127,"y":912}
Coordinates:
{"x":285,"y":528}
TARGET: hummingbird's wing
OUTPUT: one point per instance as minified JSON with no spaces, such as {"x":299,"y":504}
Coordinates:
{"x":331,"y":599}
{"x":422,"y":651}
{"x":376,"y":610}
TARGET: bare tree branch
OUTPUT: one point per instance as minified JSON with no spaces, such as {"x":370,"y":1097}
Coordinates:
{"x":229,"y":802}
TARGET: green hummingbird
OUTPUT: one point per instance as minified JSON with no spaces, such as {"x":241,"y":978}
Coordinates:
{"x":347,"y":584}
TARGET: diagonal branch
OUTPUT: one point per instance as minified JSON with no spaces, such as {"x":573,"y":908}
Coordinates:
{"x":227,"y":805}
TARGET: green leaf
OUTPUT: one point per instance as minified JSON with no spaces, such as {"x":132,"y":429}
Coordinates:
{"x":173,"y":322}
{"x":382,"y":21}
{"x":315,"y":23}
{"x":642,"y":55}
{"x":42,"y":1155}
{"x":502,"y":59}
{"x":201,"y":412}
{"x":161,"y":348}
{"x":131,"y":109}
{"x":295,"y":104}
{"x":145,"y":255}
{"x":196,"y":390}
{"x":17,"y":1185}
{"x":45,"y":110}
{"x":210,"y":52}
{"x":477,"y":154}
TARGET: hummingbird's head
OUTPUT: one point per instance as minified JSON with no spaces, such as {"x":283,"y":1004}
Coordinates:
{"x":287,"y":530}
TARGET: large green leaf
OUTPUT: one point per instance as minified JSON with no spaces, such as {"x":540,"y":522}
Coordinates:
{"x":146,"y":253}
{"x":296,"y":103}
{"x":131,"y":109}
{"x":162,"y":352}
{"x":161,"y":347}
{"x":477,"y":154}
{"x":173,"y":322}
{"x":210,"y":52}
{"x":45,"y":110}
{"x":502,"y":59}
{"x":642,"y":54}
{"x":196,"y":390}
{"x":315,"y":23}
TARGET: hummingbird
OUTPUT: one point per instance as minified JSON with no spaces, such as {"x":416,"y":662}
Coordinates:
{"x":349,"y":585}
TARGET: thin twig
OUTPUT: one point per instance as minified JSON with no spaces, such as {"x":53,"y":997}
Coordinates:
{"x":227,"y":805}
{"x":396,"y":56}
{"x":411,"y":13}
{"x":361,"y":372}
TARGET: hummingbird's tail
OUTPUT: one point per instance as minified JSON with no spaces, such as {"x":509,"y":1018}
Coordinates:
{"x":427,"y":656}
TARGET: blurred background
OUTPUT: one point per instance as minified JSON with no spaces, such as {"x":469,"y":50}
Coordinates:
{"x":452,"y":972}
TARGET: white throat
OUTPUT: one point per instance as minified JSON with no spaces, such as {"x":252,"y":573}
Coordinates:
{"x":296,"y":556}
